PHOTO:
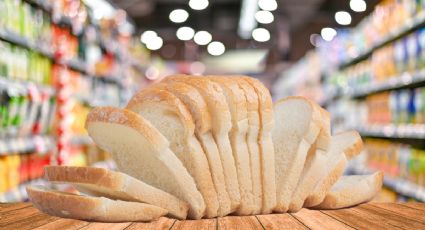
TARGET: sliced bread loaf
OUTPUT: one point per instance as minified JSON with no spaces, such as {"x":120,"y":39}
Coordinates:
{"x":297,"y":125}
{"x":239,"y":133}
{"x":352,"y":190}
{"x":141,"y":151}
{"x":74,"y":206}
{"x":335,"y":165}
{"x":172,"y":118}
{"x":221,"y":126}
{"x":315,"y":161}
{"x":264,"y":140}
{"x":198,"y":108}
{"x":115,"y":185}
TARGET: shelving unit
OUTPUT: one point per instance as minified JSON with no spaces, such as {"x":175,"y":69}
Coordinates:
{"x":39,"y":143}
{"x":410,"y":25}
{"x":394,"y":131}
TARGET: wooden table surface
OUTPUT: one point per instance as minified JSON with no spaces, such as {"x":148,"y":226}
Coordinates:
{"x":366,"y":216}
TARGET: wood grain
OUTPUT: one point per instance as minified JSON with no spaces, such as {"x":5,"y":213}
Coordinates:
{"x":6,"y":207}
{"x":162,"y":223}
{"x":206,"y":224}
{"x":418,"y":206}
{"x":17,"y":214}
{"x":68,"y":224}
{"x":356,"y":219}
{"x":238,"y":222}
{"x":402,"y":211}
{"x":317,"y":220}
{"x":365,"y":216}
{"x":381,"y":215}
{"x":31,"y":222}
{"x":280,"y":221}
{"x":108,"y":226}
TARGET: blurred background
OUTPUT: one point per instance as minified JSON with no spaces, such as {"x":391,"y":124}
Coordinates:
{"x":362,"y":60}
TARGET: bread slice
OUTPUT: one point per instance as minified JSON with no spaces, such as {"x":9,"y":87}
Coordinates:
{"x":354,"y":140}
{"x":267,"y":154}
{"x":115,"y":185}
{"x":315,"y":161}
{"x":200,"y":113}
{"x":221,"y":124}
{"x":237,"y":102}
{"x":335,"y":165}
{"x":172,"y":118}
{"x":74,"y":206}
{"x":297,"y":125}
{"x":352,"y":190}
{"x":141,"y":151}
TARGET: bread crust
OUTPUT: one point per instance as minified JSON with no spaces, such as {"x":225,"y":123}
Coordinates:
{"x":128,"y":118}
{"x":68,"y":205}
{"x":156,"y":95}
{"x":355,"y":194}
{"x":123,"y":187}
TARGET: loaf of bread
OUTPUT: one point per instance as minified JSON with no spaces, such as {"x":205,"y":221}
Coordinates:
{"x":209,"y":146}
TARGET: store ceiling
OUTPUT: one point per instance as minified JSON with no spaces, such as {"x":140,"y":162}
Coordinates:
{"x":295,"y":21}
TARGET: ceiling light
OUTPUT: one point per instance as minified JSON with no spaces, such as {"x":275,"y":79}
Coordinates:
{"x":178,"y":15}
{"x":264,"y":17}
{"x":268,"y":5}
{"x":185,"y":33}
{"x":198,"y":4}
{"x":358,"y":5}
{"x":155,"y":43}
{"x":261,"y":35}
{"x":202,"y":38}
{"x":216,"y":48}
{"x":147,"y":36}
{"x":328,"y":33}
{"x":247,"y":20}
{"x":343,"y":18}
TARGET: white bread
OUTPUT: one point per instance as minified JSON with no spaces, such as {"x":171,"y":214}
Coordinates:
{"x":353,"y":139}
{"x":316,"y":159}
{"x":74,"y":206}
{"x":267,"y":154}
{"x":141,"y":151}
{"x":172,"y":118}
{"x":221,"y":126}
{"x":237,"y":102}
{"x":342,"y":144}
{"x":352,"y":190}
{"x":198,"y":108}
{"x":297,"y":125}
{"x":115,"y":185}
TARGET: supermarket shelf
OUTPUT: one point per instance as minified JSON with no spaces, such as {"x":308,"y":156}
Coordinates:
{"x":405,"y":80}
{"x":401,"y":186}
{"x":19,"y":194}
{"x":39,"y":143}
{"x":410,"y":25}
{"x":25,"y":85}
{"x":416,"y":131}
{"x":21,"y":41}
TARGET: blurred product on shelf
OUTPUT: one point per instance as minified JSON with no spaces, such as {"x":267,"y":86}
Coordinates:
{"x":23,"y":65}
{"x":25,"y":110}
{"x":16,"y":169}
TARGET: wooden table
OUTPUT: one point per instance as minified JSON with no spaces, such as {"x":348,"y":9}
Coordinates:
{"x":366,"y":216}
